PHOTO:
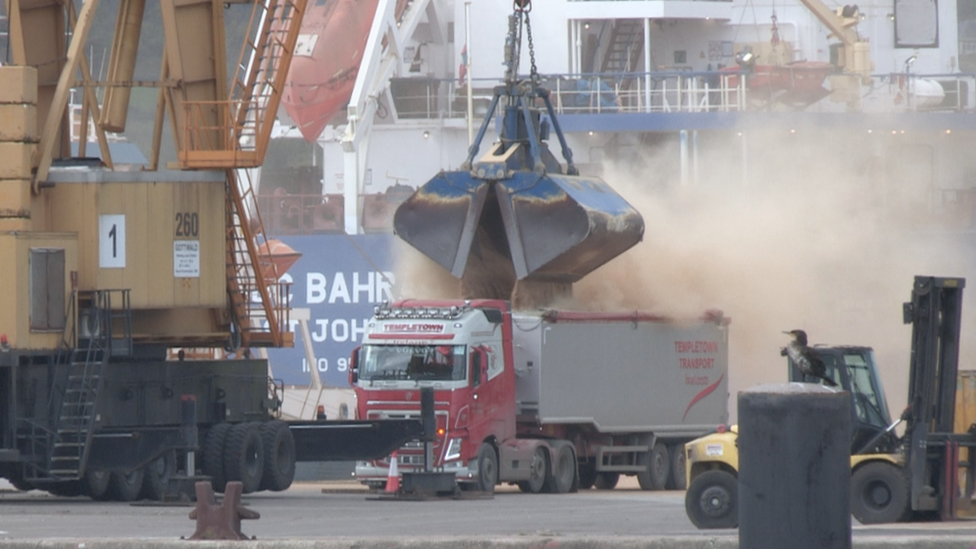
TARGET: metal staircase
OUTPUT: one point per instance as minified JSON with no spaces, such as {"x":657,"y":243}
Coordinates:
{"x":625,"y":47}
{"x":248,"y":115}
{"x":103,"y":331}
{"x":259,"y":304}
{"x":261,"y":322}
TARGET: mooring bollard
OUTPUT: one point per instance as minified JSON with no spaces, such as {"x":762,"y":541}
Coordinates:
{"x":794,"y":467}
{"x":220,"y":521}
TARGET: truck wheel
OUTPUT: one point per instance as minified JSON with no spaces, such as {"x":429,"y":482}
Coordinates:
{"x":607,"y":481}
{"x":244,"y":456}
{"x":879,"y":493}
{"x":487,"y":468}
{"x":712,"y":500}
{"x":213,"y":456}
{"x":656,"y":467}
{"x":563,"y":476}
{"x":95,"y":484}
{"x":678,"y":479}
{"x":279,"y":456}
{"x":156,"y":476}
{"x":125,"y":486}
{"x":587,"y":476}
{"x":538,"y":471}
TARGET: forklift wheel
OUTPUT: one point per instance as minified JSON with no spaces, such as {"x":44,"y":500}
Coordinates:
{"x":712,"y":500}
{"x":879,"y":494}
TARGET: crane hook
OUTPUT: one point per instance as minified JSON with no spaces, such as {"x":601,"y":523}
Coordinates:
{"x":522,"y":5}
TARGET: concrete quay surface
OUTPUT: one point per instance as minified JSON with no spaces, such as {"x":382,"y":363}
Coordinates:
{"x":342,"y":514}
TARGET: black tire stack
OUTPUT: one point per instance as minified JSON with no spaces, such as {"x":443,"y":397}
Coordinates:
{"x":261,"y":455}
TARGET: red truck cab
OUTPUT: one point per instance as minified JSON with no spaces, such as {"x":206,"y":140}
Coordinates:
{"x":463,"y":351}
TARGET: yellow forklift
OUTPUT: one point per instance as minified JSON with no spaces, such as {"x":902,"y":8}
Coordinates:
{"x":893,"y":478}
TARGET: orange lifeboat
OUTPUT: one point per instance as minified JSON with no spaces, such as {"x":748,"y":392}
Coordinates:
{"x":326,"y":62}
{"x":277,"y":253}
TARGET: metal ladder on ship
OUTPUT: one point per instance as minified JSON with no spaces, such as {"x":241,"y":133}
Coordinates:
{"x":624,"y":48}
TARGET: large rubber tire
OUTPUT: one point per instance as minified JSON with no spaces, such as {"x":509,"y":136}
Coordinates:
{"x":880,"y":494}
{"x":125,"y":486}
{"x":678,"y":480}
{"x":213,"y":456}
{"x":712,"y":500}
{"x":656,"y":468}
{"x":587,"y":476}
{"x":563,"y":477}
{"x":539,"y":471}
{"x":607,"y":481}
{"x":156,"y":476}
{"x":95,"y":484}
{"x":244,"y":456}
{"x":487,"y":468}
{"x":279,"y":456}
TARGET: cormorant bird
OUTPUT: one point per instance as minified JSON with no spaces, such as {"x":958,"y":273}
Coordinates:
{"x":806,"y":359}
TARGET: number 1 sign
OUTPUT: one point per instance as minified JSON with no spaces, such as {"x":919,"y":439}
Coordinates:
{"x":111,"y":241}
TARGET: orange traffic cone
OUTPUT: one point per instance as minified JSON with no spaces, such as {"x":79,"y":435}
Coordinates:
{"x":393,"y":477}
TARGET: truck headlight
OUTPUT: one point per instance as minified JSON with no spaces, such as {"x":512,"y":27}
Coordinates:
{"x":453,"y":450}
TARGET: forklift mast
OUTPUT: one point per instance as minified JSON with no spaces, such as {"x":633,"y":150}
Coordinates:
{"x":932,"y":449}
{"x":935,"y":313}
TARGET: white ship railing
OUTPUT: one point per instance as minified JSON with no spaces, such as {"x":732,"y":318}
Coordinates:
{"x":662,"y":93}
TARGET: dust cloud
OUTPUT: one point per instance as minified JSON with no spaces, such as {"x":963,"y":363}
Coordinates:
{"x":812,"y":233}
{"x":818,"y":231}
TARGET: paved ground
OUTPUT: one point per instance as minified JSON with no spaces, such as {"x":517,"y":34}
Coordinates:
{"x":342,"y":514}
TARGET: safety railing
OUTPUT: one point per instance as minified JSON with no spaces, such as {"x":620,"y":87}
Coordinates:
{"x":668,"y":92}
{"x":210,"y":129}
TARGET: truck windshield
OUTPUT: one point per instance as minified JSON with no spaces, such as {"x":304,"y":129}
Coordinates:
{"x":412,"y":362}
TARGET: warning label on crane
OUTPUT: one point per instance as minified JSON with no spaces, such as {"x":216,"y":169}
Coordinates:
{"x":186,"y":258}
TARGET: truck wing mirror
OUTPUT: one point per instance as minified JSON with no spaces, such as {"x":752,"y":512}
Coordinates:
{"x":354,"y":366}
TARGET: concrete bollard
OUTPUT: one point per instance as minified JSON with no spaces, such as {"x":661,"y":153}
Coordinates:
{"x":794,"y":467}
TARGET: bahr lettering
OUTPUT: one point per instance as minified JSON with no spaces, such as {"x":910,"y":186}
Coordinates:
{"x":355,"y":287}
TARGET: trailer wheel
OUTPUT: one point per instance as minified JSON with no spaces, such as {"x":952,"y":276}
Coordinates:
{"x":678,"y":479}
{"x":279,"y":456}
{"x":563,"y":476}
{"x":244,"y":456}
{"x":125,"y":486}
{"x":655,"y":468}
{"x":879,"y":494}
{"x":213,"y":456}
{"x":95,"y":484}
{"x":538,"y":471}
{"x":712,"y":500}
{"x":607,"y":481}
{"x":156,"y":476}
{"x":487,"y":468}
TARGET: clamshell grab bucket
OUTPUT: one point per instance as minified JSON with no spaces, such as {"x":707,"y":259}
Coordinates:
{"x":550,"y":226}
